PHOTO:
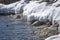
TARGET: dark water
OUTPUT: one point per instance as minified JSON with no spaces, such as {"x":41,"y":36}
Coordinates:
{"x":12,"y":29}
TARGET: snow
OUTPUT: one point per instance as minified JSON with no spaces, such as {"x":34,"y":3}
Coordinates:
{"x":56,"y":15}
{"x":19,"y":8}
{"x":29,"y":7}
{"x":38,"y":11}
{"x":34,"y":10}
{"x":42,"y":12}
{"x":16,"y":7}
{"x":43,"y":15}
{"x":55,"y":37}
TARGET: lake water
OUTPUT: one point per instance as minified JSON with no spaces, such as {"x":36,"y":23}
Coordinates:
{"x":17,"y":29}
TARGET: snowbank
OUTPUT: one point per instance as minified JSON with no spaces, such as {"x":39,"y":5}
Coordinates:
{"x":19,"y":7}
{"x":42,"y":12}
{"x":55,"y":37}
{"x":16,"y":7}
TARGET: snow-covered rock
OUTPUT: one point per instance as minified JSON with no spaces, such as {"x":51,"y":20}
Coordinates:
{"x":34,"y":7}
{"x":50,"y":13}
{"x":34,"y":10}
{"x":7,"y":8}
{"x":16,"y":7}
{"x":55,"y":37}
{"x":42,"y":15}
{"x":42,"y":12}
{"x":29,"y":7}
{"x":19,"y":7}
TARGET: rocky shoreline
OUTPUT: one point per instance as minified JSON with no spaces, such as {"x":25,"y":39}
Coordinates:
{"x":31,"y":20}
{"x":43,"y":30}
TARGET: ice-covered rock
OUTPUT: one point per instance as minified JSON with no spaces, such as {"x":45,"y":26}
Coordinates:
{"x":55,"y":37}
